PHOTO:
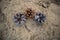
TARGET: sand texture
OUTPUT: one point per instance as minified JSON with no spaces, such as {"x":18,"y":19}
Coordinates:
{"x":49,"y":30}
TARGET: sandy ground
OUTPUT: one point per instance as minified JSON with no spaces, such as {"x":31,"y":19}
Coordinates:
{"x":50,"y":30}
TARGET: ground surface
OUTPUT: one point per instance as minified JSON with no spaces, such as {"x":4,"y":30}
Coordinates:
{"x":50,"y":30}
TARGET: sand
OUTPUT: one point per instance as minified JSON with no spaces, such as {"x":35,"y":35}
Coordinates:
{"x":49,"y":30}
